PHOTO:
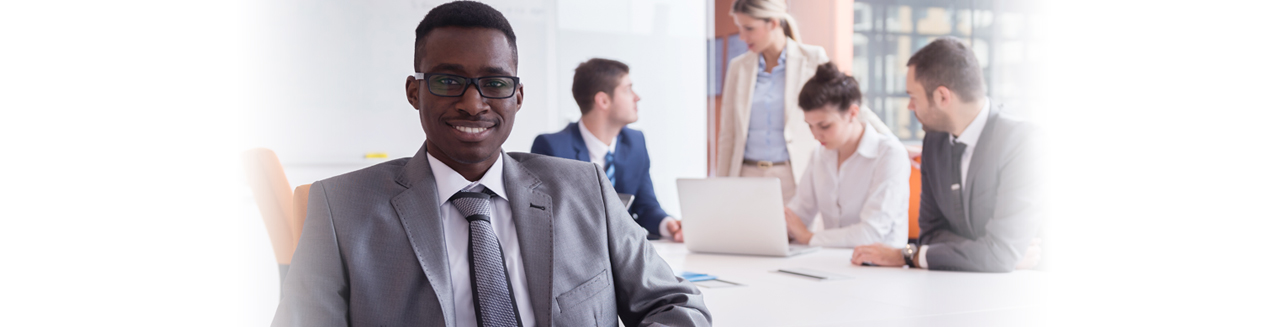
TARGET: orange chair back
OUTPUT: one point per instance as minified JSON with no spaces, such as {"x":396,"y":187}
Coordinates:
{"x":273,"y":196}
{"x":301,"y":211}
{"x":913,"y":207}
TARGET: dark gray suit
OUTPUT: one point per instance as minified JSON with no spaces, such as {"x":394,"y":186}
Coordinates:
{"x":373,"y":252}
{"x":994,"y":222}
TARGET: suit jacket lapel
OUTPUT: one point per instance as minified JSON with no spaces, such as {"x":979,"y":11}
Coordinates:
{"x":955,"y":214}
{"x":419,"y":211}
{"x":579,"y":143}
{"x":979,"y":159}
{"x":795,"y":63}
{"x":624,"y":161}
{"x":799,"y":69}
{"x":746,"y":82}
{"x":532,"y":213}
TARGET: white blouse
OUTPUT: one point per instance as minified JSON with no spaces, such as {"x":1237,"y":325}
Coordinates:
{"x":863,"y":200}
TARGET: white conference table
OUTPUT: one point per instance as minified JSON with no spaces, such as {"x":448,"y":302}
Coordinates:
{"x":872,"y":296}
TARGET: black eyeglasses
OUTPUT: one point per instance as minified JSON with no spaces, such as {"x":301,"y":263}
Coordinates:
{"x":449,"y":85}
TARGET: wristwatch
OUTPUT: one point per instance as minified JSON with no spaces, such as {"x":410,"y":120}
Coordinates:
{"x":909,"y":254}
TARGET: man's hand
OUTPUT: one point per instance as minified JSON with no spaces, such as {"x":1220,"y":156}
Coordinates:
{"x":1032,"y":255}
{"x":796,"y":228}
{"x":675,"y":229}
{"x":878,"y":254}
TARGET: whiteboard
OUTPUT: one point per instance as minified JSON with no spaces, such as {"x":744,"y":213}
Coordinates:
{"x":328,"y":78}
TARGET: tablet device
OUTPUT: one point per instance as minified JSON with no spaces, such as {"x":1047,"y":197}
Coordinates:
{"x":626,"y":199}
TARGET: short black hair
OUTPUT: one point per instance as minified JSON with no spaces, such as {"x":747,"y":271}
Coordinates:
{"x":594,"y":76}
{"x":463,"y":14}
{"x":830,"y":86}
{"x":948,"y":62}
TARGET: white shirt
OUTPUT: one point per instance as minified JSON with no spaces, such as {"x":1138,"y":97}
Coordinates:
{"x":449,"y":182}
{"x":598,"y":151}
{"x":864,"y":199}
{"x":969,"y":137}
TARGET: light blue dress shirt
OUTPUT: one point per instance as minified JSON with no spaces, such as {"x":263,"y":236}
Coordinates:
{"x":766,"y":119}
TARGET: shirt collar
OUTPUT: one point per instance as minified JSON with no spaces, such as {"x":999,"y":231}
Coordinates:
{"x":783,"y":56}
{"x":449,"y":182}
{"x":596,"y":147}
{"x":869,"y":142}
{"x":974,"y":130}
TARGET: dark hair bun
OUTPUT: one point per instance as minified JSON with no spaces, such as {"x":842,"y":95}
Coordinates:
{"x":829,"y":86}
{"x":828,"y":73}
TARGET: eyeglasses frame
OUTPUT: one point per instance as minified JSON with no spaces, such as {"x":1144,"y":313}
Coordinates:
{"x":423,"y":77}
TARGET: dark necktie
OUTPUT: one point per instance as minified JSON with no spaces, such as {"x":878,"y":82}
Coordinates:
{"x":490,"y":287}
{"x":957,"y":185}
{"x":609,"y":166}
{"x":957,"y":154}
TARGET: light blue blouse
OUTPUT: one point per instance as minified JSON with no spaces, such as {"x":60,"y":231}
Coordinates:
{"x":766,"y":120}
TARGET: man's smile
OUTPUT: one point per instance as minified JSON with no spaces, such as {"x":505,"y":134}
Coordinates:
{"x":472,"y":130}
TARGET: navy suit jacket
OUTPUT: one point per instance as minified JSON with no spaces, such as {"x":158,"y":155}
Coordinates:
{"x":632,"y":169}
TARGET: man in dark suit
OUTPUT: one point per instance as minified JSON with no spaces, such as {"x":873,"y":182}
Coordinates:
{"x":604,"y":91}
{"x":463,"y":234}
{"x":978,"y":205}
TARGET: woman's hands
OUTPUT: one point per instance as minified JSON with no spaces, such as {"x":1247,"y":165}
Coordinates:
{"x":796,"y":228}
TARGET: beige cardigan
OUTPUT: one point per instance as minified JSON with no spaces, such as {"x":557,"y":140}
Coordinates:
{"x":737,"y":103}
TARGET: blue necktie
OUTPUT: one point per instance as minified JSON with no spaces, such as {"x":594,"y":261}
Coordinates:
{"x":494,"y":301}
{"x":610,"y":167}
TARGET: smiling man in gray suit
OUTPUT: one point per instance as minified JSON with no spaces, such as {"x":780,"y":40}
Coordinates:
{"x":463,"y":234}
{"x":978,"y":209}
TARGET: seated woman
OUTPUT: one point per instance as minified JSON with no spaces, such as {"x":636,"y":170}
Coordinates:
{"x":857,"y":179}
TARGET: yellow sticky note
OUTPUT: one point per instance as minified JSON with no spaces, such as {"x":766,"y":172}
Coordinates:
{"x":376,"y":155}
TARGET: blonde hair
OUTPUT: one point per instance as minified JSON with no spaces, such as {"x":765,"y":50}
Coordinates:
{"x":768,"y":10}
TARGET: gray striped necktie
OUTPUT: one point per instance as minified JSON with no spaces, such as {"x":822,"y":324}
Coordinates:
{"x":490,"y":287}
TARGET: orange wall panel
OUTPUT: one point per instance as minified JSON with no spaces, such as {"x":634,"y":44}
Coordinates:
{"x":844,"y":27}
{"x":829,"y":24}
{"x":723,"y":25}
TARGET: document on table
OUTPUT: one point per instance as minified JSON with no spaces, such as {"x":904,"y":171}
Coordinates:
{"x":717,"y":283}
{"x":707,"y":280}
{"x":813,"y":274}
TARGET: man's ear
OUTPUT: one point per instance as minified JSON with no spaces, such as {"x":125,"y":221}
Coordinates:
{"x":943,"y":96}
{"x":519,"y":97}
{"x":411,"y":91}
{"x":602,"y":101}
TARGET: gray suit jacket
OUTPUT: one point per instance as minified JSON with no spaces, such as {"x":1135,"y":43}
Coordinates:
{"x":373,"y":253}
{"x":990,"y":229}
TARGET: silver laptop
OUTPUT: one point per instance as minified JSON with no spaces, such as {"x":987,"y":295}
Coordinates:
{"x":735,"y":215}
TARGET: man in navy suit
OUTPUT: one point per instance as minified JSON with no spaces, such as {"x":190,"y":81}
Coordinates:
{"x":605,"y":93}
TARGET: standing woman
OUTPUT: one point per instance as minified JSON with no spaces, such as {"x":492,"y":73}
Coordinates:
{"x":758,"y":135}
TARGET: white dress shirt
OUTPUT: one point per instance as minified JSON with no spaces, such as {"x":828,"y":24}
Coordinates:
{"x":449,"y":182}
{"x":969,"y":137}
{"x":597,"y":152}
{"x":862,"y":200}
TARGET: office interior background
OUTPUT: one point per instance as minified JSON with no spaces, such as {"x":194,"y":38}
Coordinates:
{"x":123,"y":125}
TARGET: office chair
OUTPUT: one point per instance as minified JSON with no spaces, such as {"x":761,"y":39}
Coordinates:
{"x":273,"y":196}
{"x":913,"y":206}
{"x":301,"y":211}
